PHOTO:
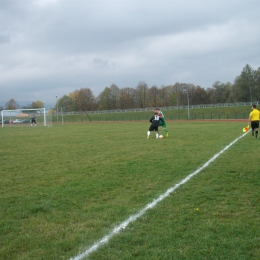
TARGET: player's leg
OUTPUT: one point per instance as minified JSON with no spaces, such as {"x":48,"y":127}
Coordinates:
{"x":167,"y":132}
{"x":149,"y":131}
{"x":163,"y":125}
{"x":156,"y":132}
{"x":165,"y":129}
{"x":252,"y":127}
{"x":256,"y":128}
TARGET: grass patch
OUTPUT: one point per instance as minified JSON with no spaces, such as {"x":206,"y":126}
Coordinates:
{"x":65,"y":187}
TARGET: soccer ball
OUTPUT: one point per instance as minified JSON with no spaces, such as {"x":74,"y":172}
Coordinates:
{"x":161,"y":136}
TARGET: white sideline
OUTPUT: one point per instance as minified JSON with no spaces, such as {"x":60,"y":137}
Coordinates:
{"x":132,"y":218}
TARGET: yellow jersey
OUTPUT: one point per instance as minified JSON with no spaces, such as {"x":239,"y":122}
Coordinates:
{"x":254,"y":115}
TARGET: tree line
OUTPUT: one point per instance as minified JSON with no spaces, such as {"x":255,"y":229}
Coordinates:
{"x":246,"y":88}
{"x":13,"y":104}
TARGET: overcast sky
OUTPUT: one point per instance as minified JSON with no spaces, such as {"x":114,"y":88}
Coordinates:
{"x":50,"y":48}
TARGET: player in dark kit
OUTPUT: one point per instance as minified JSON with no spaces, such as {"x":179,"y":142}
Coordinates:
{"x":155,"y":122}
{"x":33,"y":120}
{"x":162,"y":123}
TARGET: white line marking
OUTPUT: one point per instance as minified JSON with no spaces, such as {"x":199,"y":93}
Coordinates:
{"x":132,"y":218}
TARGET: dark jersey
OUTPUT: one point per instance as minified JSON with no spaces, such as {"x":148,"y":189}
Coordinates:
{"x":155,"y":120}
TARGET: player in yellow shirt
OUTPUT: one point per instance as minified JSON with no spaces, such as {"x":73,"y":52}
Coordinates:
{"x":253,"y":119}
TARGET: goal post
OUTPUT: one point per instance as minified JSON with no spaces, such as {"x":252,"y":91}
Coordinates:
{"x":23,"y":117}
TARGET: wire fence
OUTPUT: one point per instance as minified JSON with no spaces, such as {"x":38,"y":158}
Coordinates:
{"x":200,"y":114}
{"x":113,"y":111}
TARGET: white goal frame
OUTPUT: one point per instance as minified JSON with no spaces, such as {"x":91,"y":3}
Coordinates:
{"x":43,"y":111}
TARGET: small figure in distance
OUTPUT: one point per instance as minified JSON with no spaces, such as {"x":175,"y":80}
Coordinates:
{"x":33,"y":120}
{"x":155,"y":121}
{"x":162,"y":123}
{"x":253,"y":120}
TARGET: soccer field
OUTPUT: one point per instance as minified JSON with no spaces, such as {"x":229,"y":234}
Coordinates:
{"x":63,"y":188}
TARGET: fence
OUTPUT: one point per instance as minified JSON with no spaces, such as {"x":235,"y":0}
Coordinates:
{"x":237,"y":104}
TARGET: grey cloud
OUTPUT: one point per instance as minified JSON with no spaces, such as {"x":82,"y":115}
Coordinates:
{"x":4,"y":38}
{"x":52,"y":47}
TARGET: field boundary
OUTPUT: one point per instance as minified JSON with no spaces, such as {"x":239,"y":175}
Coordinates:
{"x":147,"y":121}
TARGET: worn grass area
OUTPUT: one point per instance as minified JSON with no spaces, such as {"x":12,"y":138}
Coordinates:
{"x":62,"y":188}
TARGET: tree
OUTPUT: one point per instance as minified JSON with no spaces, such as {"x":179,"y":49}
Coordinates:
{"x":221,"y":92}
{"x":109,"y":97}
{"x":172,"y":96}
{"x":257,"y":82}
{"x":11,"y":104}
{"x":37,"y":104}
{"x":105,"y":101}
{"x":227,"y":93}
{"x":84,"y":99}
{"x":165,"y":95}
{"x":73,"y":96}
{"x":191,"y":93}
{"x":26,"y":106}
{"x":141,"y":92}
{"x":198,"y":96}
{"x":127,"y":98}
{"x":66,"y":103}
{"x":245,"y":86}
{"x":114,"y":94}
{"x":181,"y":91}
{"x":153,"y":98}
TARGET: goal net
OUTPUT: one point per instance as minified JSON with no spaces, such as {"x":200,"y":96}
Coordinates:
{"x":23,"y":117}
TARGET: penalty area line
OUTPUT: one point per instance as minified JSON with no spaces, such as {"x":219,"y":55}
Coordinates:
{"x":151,"y":205}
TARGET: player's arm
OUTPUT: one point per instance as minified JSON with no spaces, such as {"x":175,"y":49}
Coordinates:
{"x":156,"y":111}
{"x":249,"y":119}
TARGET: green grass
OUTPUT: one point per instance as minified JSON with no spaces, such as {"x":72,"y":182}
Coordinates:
{"x":63,"y":188}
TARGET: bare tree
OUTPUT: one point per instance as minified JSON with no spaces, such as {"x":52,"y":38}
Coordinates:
{"x":153,"y":97}
{"x":11,"y":104}
{"x":168,"y":96}
{"x":127,"y":97}
{"x":114,"y":94}
{"x":141,"y":91}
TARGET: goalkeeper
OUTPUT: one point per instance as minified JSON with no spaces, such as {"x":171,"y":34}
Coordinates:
{"x":162,"y":122}
{"x":33,"y":120}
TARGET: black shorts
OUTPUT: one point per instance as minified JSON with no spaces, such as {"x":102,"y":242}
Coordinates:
{"x":34,"y":121}
{"x":254,"y":124}
{"x":153,"y":128}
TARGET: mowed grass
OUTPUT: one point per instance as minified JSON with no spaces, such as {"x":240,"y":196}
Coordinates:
{"x":63,"y":188}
